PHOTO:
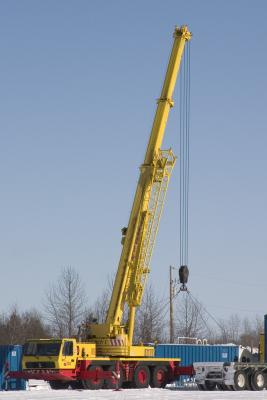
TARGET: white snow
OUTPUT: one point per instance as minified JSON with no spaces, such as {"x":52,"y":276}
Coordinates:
{"x":131,"y":394}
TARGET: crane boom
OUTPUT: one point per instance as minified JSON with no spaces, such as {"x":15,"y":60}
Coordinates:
{"x":139,"y":237}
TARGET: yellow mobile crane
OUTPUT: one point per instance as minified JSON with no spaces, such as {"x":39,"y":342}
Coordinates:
{"x":92,"y":362}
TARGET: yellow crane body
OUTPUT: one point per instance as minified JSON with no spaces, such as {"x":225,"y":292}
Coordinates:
{"x":140,"y":234}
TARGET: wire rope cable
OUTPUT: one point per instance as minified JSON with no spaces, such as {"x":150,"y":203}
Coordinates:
{"x":184,"y":108}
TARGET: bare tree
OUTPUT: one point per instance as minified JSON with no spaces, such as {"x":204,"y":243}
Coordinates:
{"x":250,"y":335}
{"x":33,"y":326}
{"x":16,"y":327}
{"x":244,"y":332}
{"x":64,"y":303}
{"x":100,"y":307}
{"x":149,"y":321}
{"x":12,"y":326}
{"x":190,"y":320}
{"x":229,"y":330}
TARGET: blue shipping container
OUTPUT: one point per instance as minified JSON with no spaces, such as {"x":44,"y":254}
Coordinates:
{"x":190,"y":353}
{"x":10,"y":358}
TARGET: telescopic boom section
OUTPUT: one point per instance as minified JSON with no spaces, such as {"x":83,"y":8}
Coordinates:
{"x":139,"y":237}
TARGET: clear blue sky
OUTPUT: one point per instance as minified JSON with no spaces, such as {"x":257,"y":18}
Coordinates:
{"x":78,"y":84}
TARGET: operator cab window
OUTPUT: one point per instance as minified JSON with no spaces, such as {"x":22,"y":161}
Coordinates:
{"x":67,"y":349}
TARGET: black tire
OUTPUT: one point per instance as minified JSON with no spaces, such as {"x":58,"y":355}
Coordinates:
{"x":201,"y":386}
{"x":141,"y":377}
{"x":225,"y":387}
{"x":241,"y":380}
{"x":258,"y":380}
{"x":221,"y":386}
{"x":93,"y":383}
{"x":230,"y":387}
{"x":112,"y":382}
{"x":57,"y":385}
{"x":127,"y":385}
{"x":210,"y":385}
{"x":159,"y":376}
{"x":75,"y":385}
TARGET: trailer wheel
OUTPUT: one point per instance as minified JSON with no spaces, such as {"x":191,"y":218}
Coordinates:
{"x":141,"y":377}
{"x":159,"y":377}
{"x":94,"y":383}
{"x":57,"y":385}
{"x":241,"y":380}
{"x":258,"y":380}
{"x":230,"y":387}
{"x":210,"y":385}
{"x":220,"y":386}
{"x":111,"y":383}
{"x":201,"y":386}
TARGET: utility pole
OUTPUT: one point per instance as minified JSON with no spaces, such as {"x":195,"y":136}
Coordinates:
{"x":171,"y":307}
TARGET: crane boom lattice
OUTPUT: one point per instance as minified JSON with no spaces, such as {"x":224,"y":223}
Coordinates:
{"x":160,"y":180}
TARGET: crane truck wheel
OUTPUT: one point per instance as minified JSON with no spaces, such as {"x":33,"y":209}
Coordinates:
{"x":75,"y":385}
{"x":96,"y":382}
{"x":113,"y":383}
{"x":241,"y":380}
{"x":159,"y":376}
{"x":141,"y":377}
{"x":57,"y":385}
{"x":258,"y":380}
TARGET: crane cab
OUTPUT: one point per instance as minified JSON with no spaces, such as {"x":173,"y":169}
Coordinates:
{"x":47,"y":354}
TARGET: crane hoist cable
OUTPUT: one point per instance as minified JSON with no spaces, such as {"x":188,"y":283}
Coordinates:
{"x":198,"y":304}
{"x":184,"y":109}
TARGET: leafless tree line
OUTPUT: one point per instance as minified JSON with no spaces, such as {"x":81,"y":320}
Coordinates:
{"x":65,"y":308}
{"x":16,"y":327}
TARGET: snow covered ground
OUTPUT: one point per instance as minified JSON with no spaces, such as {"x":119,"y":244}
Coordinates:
{"x":131,"y":394}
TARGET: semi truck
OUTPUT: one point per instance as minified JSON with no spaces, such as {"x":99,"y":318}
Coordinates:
{"x":247,"y":372}
{"x":231,"y":376}
{"x":106,"y":356}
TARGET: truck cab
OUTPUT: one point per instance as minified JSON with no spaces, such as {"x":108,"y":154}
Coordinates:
{"x":48,"y":355}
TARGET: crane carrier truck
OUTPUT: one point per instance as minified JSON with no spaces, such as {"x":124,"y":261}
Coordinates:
{"x":107,"y":356}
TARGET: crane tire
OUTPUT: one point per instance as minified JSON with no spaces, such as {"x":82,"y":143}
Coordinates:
{"x":57,"y":385}
{"x":141,"y":377}
{"x":111,"y":383}
{"x":75,"y":385}
{"x":93,"y":383}
{"x":159,"y":376}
